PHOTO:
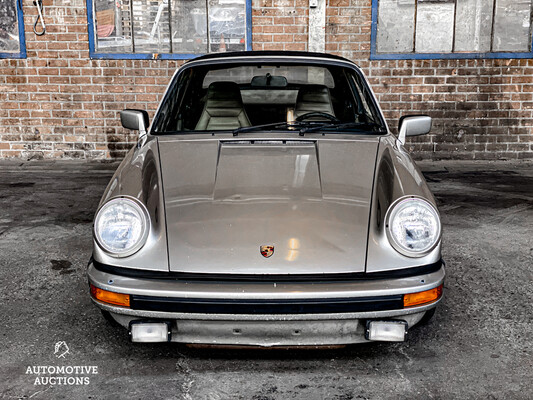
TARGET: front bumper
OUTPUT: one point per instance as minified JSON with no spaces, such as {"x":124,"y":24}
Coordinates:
{"x":266,"y":313}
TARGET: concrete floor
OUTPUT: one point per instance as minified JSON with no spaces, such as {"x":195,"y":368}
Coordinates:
{"x":478,"y":346}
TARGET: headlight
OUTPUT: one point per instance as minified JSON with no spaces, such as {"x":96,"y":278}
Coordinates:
{"x":121,"y":227}
{"x":413,"y":226}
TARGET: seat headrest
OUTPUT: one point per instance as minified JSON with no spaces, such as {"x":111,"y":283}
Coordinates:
{"x":313,"y":98}
{"x":313,"y":89}
{"x":224,"y":91}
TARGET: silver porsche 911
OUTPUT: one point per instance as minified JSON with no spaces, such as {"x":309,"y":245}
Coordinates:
{"x":268,"y":204}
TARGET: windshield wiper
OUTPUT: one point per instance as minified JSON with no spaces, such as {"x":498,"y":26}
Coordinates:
{"x":293,"y":124}
{"x":338,"y":127}
{"x":254,"y":127}
{"x":311,"y":126}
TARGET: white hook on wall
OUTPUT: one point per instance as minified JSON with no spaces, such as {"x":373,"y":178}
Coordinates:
{"x":40,"y":8}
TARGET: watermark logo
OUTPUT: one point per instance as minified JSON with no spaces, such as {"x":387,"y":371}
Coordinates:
{"x":61,"y":349}
{"x":46,"y":375}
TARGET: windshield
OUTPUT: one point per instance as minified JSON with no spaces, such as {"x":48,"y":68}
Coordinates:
{"x":240,"y":98}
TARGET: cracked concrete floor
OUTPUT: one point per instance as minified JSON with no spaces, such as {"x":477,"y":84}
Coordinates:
{"x":478,"y":346}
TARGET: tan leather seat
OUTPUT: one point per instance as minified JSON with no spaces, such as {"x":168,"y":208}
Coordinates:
{"x":223,"y":108}
{"x":313,"y":98}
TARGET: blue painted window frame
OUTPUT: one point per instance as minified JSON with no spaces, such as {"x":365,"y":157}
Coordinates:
{"x":152,"y":56}
{"x":374,"y":55}
{"x":22,"y":39}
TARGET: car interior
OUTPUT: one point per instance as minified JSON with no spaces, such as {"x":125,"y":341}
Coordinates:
{"x":224,"y":106}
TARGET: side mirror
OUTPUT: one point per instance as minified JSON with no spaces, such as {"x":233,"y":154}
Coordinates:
{"x":413,"y":125}
{"x":136,"y":120}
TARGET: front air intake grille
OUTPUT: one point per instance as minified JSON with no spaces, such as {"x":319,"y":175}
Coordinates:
{"x":268,"y":142}
{"x":311,"y":306}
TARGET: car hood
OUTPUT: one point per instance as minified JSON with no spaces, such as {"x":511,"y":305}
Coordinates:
{"x":309,"y":199}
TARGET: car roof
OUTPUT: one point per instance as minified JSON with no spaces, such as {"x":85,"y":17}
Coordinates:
{"x":265,"y":55}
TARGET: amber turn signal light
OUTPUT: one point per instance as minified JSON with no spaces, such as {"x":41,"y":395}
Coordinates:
{"x":420,"y":298}
{"x":106,"y":296}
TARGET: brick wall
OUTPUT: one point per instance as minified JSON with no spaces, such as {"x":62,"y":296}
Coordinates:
{"x":481,"y":109}
{"x":280,"y":24}
{"x":58,"y":103}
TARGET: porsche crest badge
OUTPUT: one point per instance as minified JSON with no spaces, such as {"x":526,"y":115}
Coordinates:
{"x":267,"y":251}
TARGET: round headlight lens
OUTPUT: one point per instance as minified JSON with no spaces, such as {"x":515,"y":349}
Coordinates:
{"x":413,"y":227}
{"x":121,"y":227}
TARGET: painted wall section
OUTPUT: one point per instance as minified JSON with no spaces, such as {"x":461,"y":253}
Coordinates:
{"x":473,"y":25}
{"x":434,"y":27}
{"x":512,"y":25}
{"x":396,"y":26}
{"x":317,"y":25}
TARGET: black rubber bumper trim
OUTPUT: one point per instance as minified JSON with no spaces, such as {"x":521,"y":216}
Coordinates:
{"x":225,"y":306}
{"x":185,"y":276}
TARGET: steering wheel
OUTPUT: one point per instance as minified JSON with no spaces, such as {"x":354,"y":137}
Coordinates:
{"x":312,"y":114}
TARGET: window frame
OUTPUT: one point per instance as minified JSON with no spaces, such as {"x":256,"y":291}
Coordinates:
{"x":93,"y":54}
{"x":22,"y":37}
{"x":374,"y":55}
{"x":222,"y":63}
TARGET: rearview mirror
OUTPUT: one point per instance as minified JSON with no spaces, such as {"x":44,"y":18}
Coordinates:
{"x":136,"y":120}
{"x":269,"y":80}
{"x":413,"y":125}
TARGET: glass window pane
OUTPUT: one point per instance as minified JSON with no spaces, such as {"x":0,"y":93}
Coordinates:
{"x":295,"y":75}
{"x":195,"y":102}
{"x":473,"y":25}
{"x":9,"y":32}
{"x":113,"y":26}
{"x":434,"y":26}
{"x":227,"y":25}
{"x":151,"y":28}
{"x":189,"y":26}
{"x":146,"y":26}
{"x":396,"y":19}
{"x":512,"y":22}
